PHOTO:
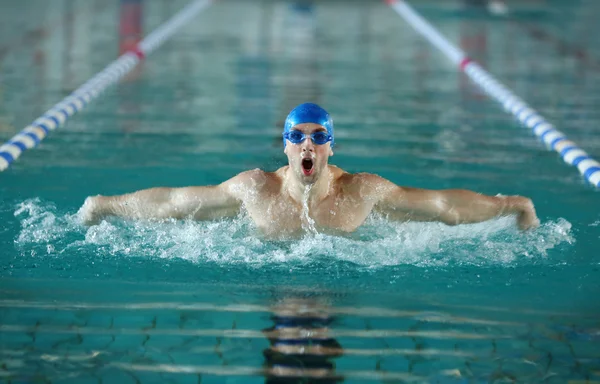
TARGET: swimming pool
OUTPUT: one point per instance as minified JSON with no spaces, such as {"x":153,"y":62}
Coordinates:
{"x":212,"y":302}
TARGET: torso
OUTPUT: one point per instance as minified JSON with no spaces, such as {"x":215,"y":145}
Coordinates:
{"x":275,"y":212}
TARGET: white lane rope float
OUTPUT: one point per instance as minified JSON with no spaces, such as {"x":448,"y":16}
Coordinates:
{"x":56,"y":116}
{"x":546,"y":132}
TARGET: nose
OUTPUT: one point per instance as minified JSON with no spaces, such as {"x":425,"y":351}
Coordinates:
{"x":307,"y":145}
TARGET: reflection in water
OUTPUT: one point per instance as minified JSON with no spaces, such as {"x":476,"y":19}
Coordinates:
{"x":130,"y":25}
{"x":130,"y":34}
{"x":301,"y":351}
{"x":254,"y":74}
{"x":300,"y":48}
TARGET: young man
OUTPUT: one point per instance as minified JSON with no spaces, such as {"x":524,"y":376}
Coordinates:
{"x":309,"y":194}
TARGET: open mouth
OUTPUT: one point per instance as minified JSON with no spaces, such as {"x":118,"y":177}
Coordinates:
{"x":307,"y":166}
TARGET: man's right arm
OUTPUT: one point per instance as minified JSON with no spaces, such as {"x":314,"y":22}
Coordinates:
{"x":199,"y":203}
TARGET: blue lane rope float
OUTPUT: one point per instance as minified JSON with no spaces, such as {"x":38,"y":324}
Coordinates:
{"x":56,"y":116}
{"x":553,"y":138}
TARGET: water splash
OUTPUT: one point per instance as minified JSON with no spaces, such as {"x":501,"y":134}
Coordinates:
{"x":308,"y":223}
{"x":44,"y":231}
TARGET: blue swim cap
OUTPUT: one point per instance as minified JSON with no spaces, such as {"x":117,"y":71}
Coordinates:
{"x":309,"y":113}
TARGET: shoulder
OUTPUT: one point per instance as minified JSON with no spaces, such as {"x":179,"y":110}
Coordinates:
{"x":254,"y":180}
{"x":368,"y":185}
{"x":252,"y":177}
{"x":370,"y":178}
{"x":364,"y":179}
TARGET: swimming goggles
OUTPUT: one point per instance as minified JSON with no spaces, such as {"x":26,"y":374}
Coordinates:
{"x":297,"y":137}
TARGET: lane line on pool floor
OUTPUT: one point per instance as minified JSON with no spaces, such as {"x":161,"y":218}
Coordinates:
{"x":546,"y":132}
{"x":56,"y":116}
{"x":87,"y":354}
{"x":283,"y":333}
{"x":428,"y":316}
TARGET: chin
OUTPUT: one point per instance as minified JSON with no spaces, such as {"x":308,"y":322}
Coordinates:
{"x":307,"y":179}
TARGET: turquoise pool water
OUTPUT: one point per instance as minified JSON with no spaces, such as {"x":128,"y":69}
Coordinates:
{"x":213,"y":302}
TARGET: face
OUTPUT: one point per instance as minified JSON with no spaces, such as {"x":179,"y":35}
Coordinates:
{"x":307,"y":159}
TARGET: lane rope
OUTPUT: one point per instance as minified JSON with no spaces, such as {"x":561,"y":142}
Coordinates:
{"x":570,"y":152}
{"x":56,"y":116}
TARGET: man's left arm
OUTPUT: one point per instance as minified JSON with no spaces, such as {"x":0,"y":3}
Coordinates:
{"x":451,"y":206}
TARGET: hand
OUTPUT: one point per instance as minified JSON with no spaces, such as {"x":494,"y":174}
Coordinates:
{"x":526,"y":218}
{"x":88,"y":214}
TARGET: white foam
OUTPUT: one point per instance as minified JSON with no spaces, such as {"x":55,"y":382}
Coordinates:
{"x":377,"y":243}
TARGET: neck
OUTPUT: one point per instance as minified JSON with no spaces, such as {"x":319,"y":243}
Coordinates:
{"x":316,"y":191}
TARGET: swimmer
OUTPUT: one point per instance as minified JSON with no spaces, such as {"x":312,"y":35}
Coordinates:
{"x":309,"y":193}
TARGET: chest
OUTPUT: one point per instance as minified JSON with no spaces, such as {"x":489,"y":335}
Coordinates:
{"x":277,"y":213}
